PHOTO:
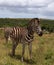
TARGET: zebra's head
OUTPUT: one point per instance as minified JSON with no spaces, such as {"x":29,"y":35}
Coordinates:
{"x":34,"y":26}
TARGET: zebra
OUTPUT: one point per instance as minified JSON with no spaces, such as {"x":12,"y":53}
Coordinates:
{"x":25,"y":36}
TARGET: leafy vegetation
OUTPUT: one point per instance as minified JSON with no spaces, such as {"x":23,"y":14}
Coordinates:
{"x":46,"y":24}
{"x":13,"y":22}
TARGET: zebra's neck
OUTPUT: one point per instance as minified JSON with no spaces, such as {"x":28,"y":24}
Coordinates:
{"x":30,"y":33}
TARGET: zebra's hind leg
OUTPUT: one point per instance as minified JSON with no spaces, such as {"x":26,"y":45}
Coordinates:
{"x":30,"y":50}
{"x":23,"y":51}
{"x":14,"y":47}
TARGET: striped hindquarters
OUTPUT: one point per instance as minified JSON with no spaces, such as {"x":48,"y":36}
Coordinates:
{"x":16,"y":33}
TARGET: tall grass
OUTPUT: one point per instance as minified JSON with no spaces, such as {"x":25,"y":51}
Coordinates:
{"x":42,"y":51}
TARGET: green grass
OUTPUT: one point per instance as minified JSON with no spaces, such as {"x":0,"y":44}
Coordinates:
{"x":42,"y":51}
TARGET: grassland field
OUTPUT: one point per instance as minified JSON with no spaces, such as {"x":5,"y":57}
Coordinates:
{"x":42,"y":49}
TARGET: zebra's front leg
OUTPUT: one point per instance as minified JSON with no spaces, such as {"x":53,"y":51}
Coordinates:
{"x":30,"y":50}
{"x":23,"y":51}
{"x":14,"y":47}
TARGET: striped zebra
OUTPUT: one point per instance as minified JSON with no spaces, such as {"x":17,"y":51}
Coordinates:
{"x":25,"y":36}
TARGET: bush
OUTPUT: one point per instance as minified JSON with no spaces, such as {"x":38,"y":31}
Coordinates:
{"x":48,"y":25}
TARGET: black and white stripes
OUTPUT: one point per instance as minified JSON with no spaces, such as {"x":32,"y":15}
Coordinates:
{"x":16,"y":34}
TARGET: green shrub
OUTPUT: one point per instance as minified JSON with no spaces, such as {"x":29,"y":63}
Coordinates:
{"x":46,"y":24}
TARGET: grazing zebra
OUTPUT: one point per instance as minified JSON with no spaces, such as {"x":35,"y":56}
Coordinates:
{"x":25,"y":36}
